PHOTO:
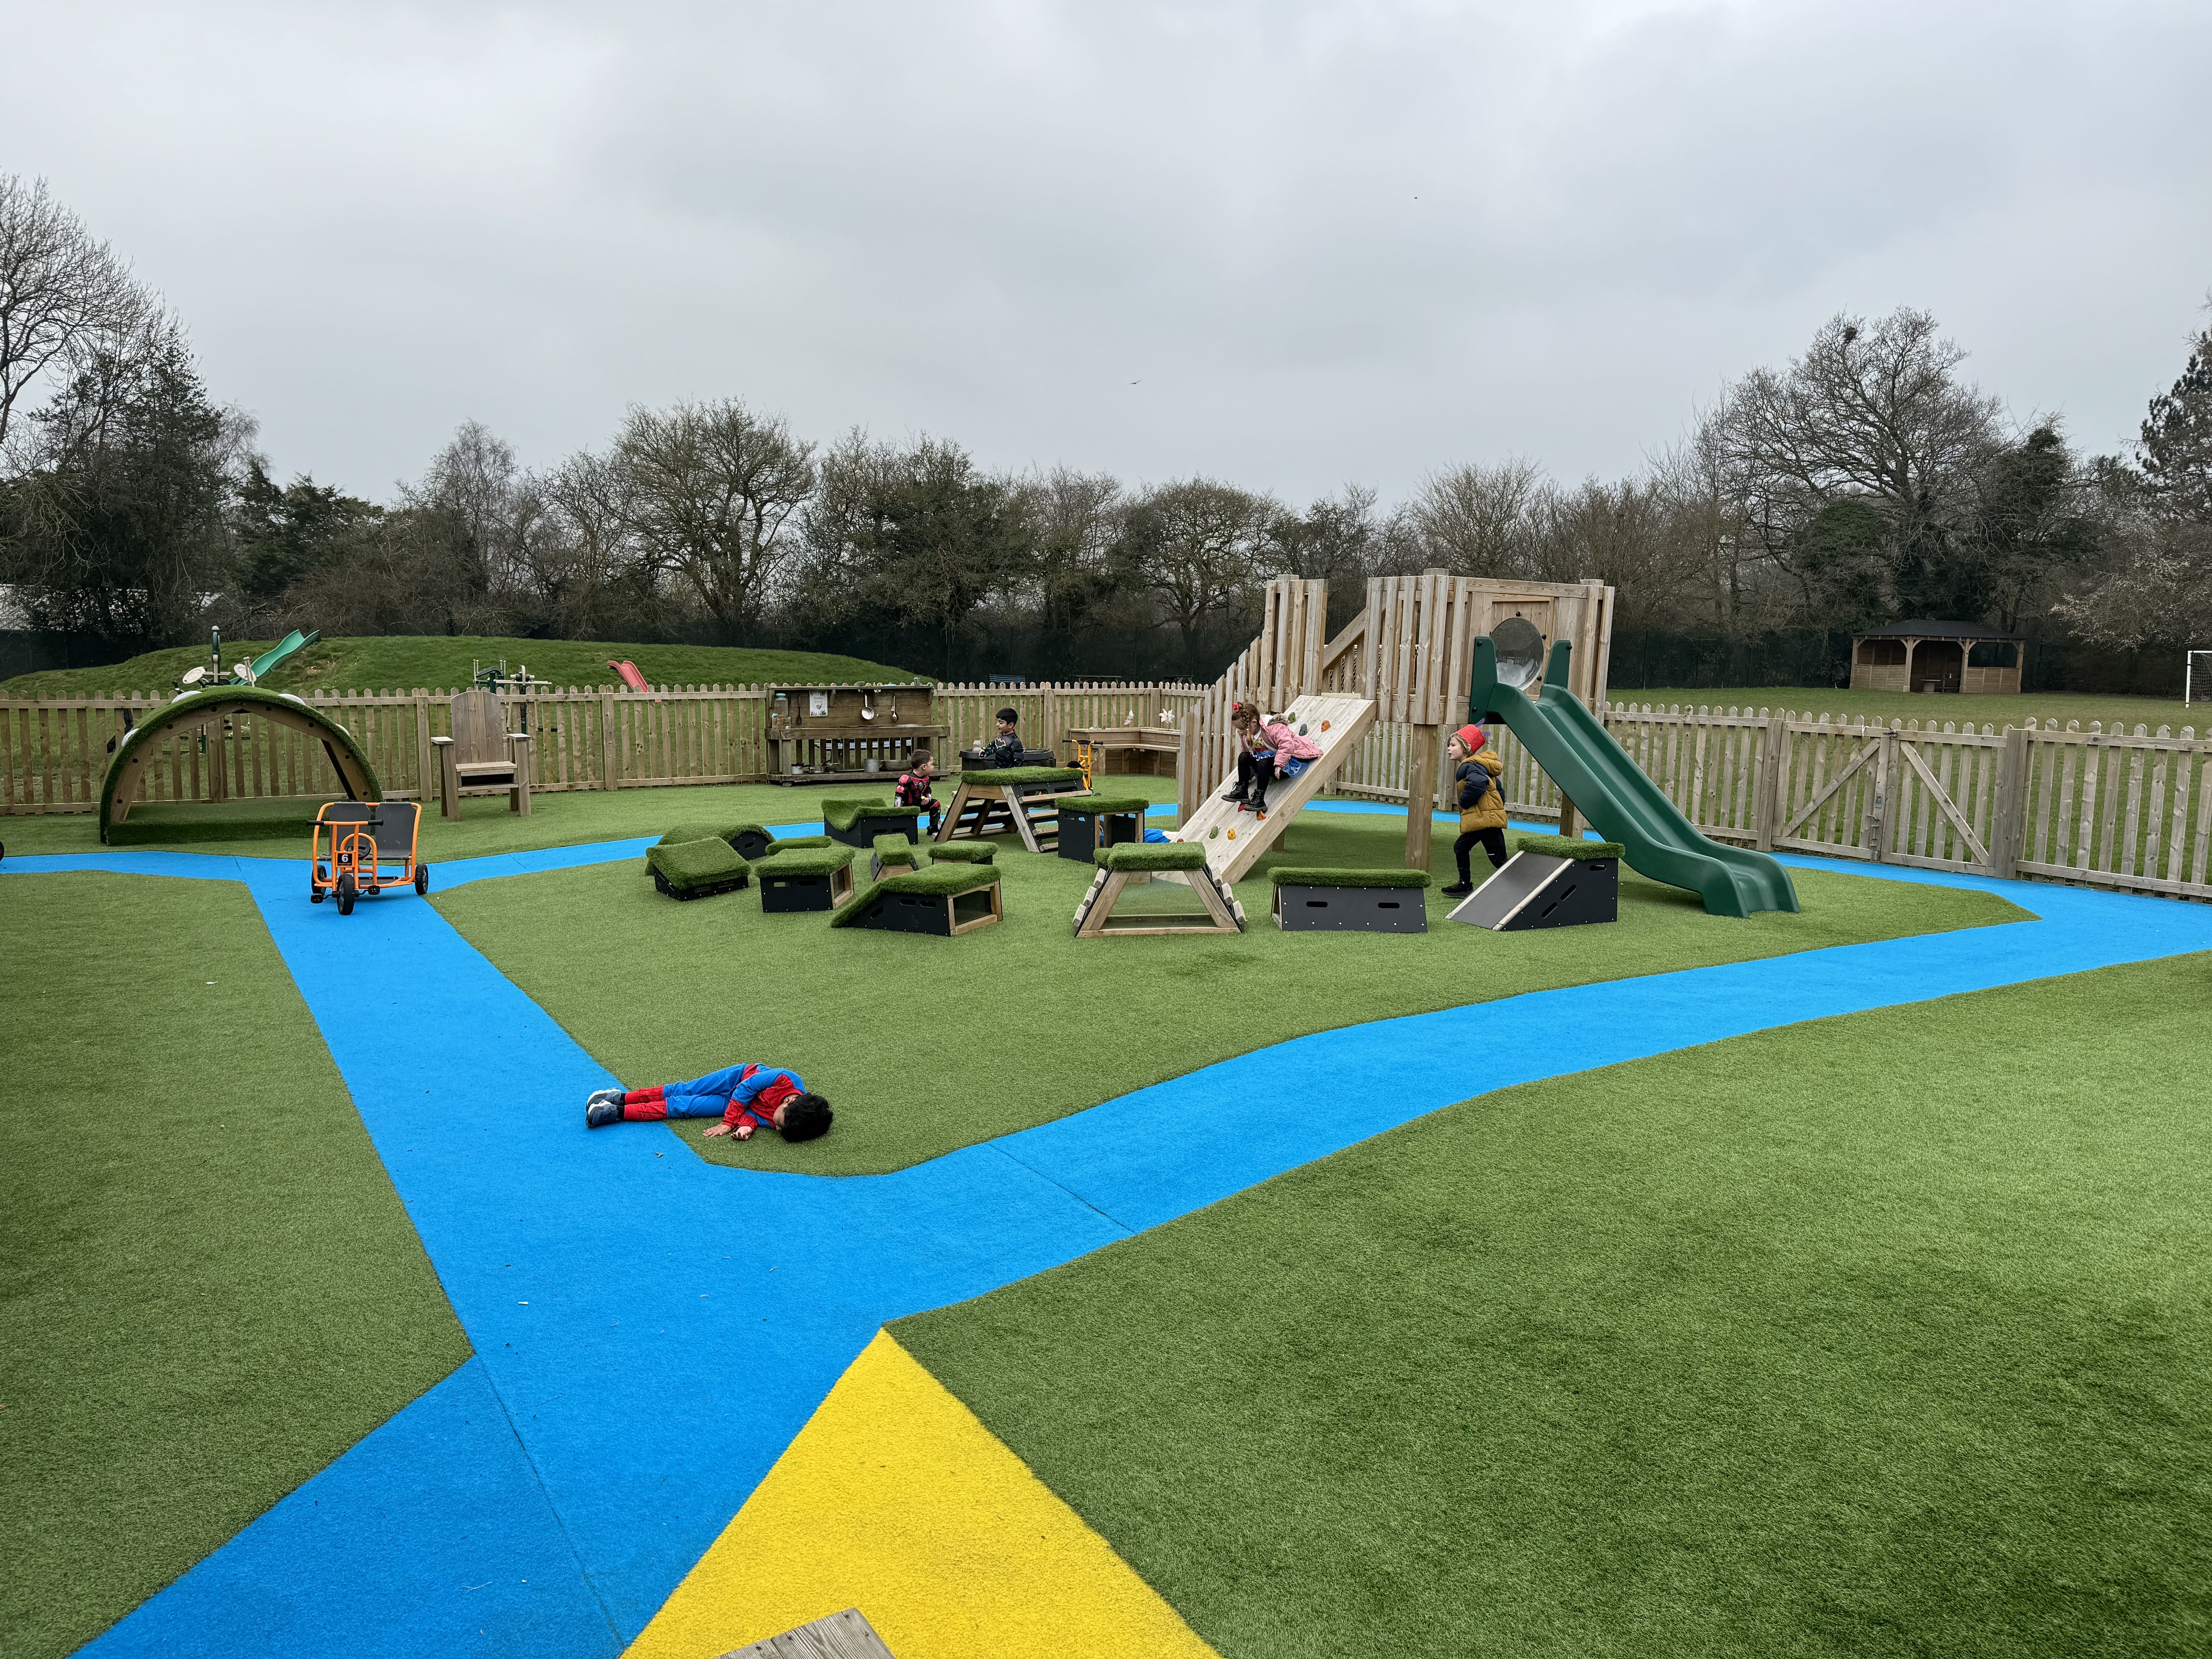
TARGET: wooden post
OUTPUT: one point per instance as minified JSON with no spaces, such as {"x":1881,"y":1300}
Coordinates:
{"x":610,"y":777}
{"x":1421,"y":794}
{"x":1765,"y":806}
{"x":1570,"y":825}
{"x":421,"y":744}
{"x":1878,"y":803}
{"x":2012,"y":800}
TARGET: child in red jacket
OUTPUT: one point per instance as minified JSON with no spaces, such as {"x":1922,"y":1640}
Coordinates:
{"x":744,"y":1097}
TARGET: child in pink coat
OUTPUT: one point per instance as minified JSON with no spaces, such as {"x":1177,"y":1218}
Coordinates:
{"x":1265,"y":750}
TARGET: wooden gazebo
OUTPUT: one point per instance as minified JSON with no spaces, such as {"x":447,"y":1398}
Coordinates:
{"x":1921,"y":655}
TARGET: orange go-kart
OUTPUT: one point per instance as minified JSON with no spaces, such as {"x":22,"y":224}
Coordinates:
{"x":363,"y":846}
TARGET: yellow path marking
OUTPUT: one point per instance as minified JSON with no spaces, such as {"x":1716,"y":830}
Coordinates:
{"x":895,"y":1500}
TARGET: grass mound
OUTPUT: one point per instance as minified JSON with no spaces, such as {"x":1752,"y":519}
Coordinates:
{"x":443,"y":662}
{"x":1879,"y":1335}
{"x":1195,"y":1000}
{"x":707,"y":862}
{"x":701,"y":831}
{"x":962,"y":851}
{"x":210,"y":1288}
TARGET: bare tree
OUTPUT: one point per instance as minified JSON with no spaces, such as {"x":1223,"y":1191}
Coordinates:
{"x":709,"y":491}
{"x":1471,"y":520}
{"x":1202,"y":547}
{"x":63,"y":296}
{"x":1869,"y":417}
{"x":1072,"y":524}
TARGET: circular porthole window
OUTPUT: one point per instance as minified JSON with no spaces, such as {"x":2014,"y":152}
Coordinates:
{"x":1520,"y":653}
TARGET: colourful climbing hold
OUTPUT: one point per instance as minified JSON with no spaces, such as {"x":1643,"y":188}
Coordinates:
{"x":1302,"y":730}
{"x":1325,"y":725}
{"x":1232,"y":834}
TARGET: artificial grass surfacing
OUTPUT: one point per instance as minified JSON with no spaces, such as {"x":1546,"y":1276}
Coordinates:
{"x":726,"y":982}
{"x":211,"y":1289}
{"x":1880,"y":1335}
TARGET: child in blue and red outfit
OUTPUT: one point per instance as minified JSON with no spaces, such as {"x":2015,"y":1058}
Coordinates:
{"x":913,"y":787}
{"x":743,"y":1096}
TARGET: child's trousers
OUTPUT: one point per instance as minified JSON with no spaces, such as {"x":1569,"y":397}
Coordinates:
{"x":1494,"y":843}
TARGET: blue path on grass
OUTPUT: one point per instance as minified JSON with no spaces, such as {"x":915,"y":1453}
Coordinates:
{"x":650,"y":1331}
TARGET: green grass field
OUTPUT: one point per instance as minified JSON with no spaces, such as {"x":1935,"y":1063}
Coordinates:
{"x":670,"y":990}
{"x":1886,"y":1335}
{"x":211,"y":1289}
{"x":2044,"y":707}
{"x":436,"y":661}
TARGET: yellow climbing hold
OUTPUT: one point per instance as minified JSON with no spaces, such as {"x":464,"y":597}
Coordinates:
{"x":1232,"y":834}
{"x":913,"y":1511}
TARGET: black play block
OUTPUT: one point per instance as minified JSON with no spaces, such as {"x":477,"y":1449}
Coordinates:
{"x":752,"y":845}
{"x":925,"y":913}
{"x":1079,"y":837}
{"x":1352,"y":910}
{"x":782,"y":894}
{"x":1534,"y":891}
{"x":865,"y":829}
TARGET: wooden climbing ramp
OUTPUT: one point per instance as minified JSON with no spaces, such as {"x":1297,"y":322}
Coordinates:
{"x":1233,"y":838}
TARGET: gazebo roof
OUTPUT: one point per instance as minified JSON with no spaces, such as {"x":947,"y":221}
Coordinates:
{"x":1927,"y":627}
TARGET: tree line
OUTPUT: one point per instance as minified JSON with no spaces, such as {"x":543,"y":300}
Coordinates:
{"x":1866,"y":480}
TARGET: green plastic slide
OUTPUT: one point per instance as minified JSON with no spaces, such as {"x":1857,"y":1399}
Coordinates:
{"x":289,"y":646}
{"x":1622,"y":804}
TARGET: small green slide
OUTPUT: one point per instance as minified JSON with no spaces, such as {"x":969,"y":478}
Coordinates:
{"x":1622,"y":804}
{"x":290,"y":645}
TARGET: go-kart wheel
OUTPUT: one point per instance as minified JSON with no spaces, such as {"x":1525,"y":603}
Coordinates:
{"x":422,"y":878}
{"x":346,"y":894}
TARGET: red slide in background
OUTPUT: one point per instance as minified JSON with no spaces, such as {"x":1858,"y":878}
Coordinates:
{"x":631,"y":677}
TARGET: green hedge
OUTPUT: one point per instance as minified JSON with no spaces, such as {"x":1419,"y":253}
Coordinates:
{"x":1152,"y":855}
{"x":807,"y":861}
{"x":992,"y":777}
{"x":1118,"y":805}
{"x":843,"y":814}
{"x":1559,"y":847}
{"x":687,"y":863}
{"x":1291,"y":876}
{"x":939,"y":880}
{"x":962,"y":851}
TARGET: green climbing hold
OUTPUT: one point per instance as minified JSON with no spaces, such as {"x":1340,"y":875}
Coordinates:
{"x":1302,"y":731}
{"x":1214,"y":834}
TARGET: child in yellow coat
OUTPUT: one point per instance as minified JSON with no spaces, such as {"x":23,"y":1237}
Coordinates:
{"x":1475,"y":767}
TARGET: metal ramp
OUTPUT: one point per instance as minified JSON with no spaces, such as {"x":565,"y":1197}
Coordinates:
{"x":1235,"y":838}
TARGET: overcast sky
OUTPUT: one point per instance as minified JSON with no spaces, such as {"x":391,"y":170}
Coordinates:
{"x":1288,"y":245}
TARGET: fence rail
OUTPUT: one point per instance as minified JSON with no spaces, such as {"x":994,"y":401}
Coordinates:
{"x":54,"y":752}
{"x":2130,"y":810}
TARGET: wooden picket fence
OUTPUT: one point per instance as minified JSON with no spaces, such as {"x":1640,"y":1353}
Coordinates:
{"x":54,"y":752}
{"x":2111,"y":808}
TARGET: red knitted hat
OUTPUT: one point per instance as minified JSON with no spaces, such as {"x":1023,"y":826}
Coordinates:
{"x":1471,"y":736}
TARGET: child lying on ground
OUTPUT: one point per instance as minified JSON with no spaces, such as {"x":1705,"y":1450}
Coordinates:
{"x":743,"y":1096}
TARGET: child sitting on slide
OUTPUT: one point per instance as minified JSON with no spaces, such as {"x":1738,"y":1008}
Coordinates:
{"x":743,"y":1096}
{"x":913,"y":787}
{"x":1265,"y":748}
{"x":1481,"y":803}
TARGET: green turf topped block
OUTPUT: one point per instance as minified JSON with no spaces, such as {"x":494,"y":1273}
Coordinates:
{"x":1291,"y":876}
{"x":805,"y":861}
{"x":841,"y":814}
{"x":1561,"y":846}
{"x":799,"y":843}
{"x":1152,"y":855}
{"x":962,"y":851}
{"x":685,"y":867}
{"x":1106,"y":805}
{"x":699,"y":831}
{"x":897,"y":849}
{"x":992,"y":777}
{"x":938,"y":881}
